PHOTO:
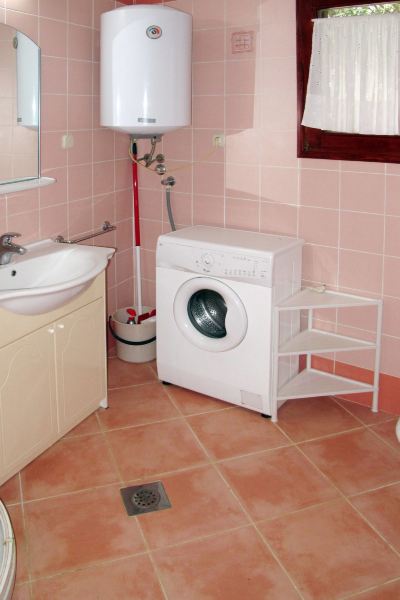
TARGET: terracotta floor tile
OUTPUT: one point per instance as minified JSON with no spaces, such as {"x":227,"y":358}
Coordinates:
{"x":313,"y":418}
{"x":356,"y":461}
{"x":363,"y":413}
{"x":192,"y":403}
{"x":201,"y":505}
{"x":330,"y":551}
{"x":231,"y":566}
{"x":77,"y":530}
{"x":382,"y":509}
{"x":236,"y":431}
{"x":17,"y":521}
{"x":276,"y":482}
{"x":88,"y":426}
{"x":387,"y":431}
{"x":157,"y":448}
{"x":389,"y":591}
{"x":137,"y":405}
{"x":72,"y":464}
{"x":121,"y":580}
{"x":122,"y":374}
{"x":10,"y":491}
{"x":22,"y":592}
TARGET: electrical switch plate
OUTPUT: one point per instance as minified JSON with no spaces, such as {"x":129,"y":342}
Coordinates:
{"x":218,"y":140}
{"x":242,"y":41}
{"x":67,"y":141}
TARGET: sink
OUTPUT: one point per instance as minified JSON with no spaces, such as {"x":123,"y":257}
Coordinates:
{"x":49,"y":275}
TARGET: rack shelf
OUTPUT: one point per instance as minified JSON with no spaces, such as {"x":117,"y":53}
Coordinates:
{"x":311,"y":382}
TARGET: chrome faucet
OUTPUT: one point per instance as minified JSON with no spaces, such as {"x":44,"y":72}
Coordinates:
{"x":8,"y":248}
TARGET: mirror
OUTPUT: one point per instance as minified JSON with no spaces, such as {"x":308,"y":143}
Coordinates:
{"x":19,"y":106}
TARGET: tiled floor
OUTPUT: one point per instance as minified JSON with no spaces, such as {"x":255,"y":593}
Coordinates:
{"x":308,"y":508}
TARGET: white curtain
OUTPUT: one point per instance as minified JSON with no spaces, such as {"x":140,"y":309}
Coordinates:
{"x":354,"y":79}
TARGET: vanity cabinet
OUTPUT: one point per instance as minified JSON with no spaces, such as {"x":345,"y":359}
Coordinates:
{"x":52,"y":376}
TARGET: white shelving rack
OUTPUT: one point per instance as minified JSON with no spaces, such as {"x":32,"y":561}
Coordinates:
{"x":311,"y":382}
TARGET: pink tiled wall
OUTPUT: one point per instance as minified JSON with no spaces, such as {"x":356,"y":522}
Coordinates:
{"x":347,"y":212}
{"x":92,"y":177}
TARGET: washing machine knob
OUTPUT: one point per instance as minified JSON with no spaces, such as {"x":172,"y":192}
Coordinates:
{"x":207,"y":260}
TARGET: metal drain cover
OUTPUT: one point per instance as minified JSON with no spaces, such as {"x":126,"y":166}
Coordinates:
{"x":149,"y":497}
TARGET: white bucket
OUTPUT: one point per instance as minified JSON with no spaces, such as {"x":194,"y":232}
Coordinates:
{"x":135,"y":343}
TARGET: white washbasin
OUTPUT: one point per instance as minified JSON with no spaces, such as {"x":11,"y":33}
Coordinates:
{"x":49,"y":275}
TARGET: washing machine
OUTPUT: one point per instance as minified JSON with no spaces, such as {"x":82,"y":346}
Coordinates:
{"x":216,"y":289}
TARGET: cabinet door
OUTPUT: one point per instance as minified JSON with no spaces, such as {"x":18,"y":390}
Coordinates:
{"x":27,"y":399}
{"x":81,"y":363}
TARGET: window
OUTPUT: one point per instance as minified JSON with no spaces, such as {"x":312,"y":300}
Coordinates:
{"x":314,"y":143}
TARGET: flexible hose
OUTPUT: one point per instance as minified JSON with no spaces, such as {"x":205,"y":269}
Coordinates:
{"x":169,"y":208}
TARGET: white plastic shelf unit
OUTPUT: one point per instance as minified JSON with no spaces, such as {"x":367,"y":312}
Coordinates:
{"x":311,"y":382}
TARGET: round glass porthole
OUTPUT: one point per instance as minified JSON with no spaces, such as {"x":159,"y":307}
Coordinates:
{"x":207,"y":313}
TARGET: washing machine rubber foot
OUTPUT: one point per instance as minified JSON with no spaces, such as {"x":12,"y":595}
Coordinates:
{"x":264,"y":416}
{"x":165,"y":383}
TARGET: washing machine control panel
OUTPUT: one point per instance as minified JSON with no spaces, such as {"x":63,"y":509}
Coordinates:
{"x":234,"y":266}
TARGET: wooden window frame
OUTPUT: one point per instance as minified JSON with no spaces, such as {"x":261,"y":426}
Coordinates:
{"x":314,"y":143}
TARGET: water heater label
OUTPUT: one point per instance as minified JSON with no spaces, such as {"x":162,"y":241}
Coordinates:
{"x":154,"y":32}
{"x":144,"y":120}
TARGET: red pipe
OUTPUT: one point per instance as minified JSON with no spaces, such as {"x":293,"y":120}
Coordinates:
{"x":135,"y":185}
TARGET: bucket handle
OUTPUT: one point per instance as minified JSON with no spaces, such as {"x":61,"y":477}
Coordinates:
{"x":119,"y":339}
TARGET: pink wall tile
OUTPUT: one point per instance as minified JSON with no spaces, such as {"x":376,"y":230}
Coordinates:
{"x":80,"y":77}
{"x":28,"y":23}
{"x":81,"y":151}
{"x":103,"y":145}
{"x":177,"y":145}
{"x":208,"y":45}
{"x":360,"y":271}
{"x":27,"y":224}
{"x":79,"y":112}
{"x":53,"y":221}
{"x":150,"y":204}
{"x":80,"y":217}
{"x":56,"y":193}
{"x":80,"y":12}
{"x":103,"y":209}
{"x":363,"y":192}
{"x":123,"y":204}
{"x":278,"y":218}
{"x":52,"y":152}
{"x":278,"y":148}
{"x":242,"y":111}
{"x":390,"y":356}
{"x":28,"y":6}
{"x":391,"y":285}
{"x":103,"y":177}
{"x":240,"y":13}
{"x":54,"y":112}
{"x":279,"y":185}
{"x":54,"y":75}
{"x":208,"y":78}
{"x":208,"y":14}
{"x":53,"y":9}
{"x":241,"y":76}
{"x":208,"y":178}
{"x":320,"y":264}
{"x":319,"y":188}
{"x":393,"y":195}
{"x":208,"y":210}
{"x":79,"y":42}
{"x":392,"y":236}
{"x":361,"y":231}
{"x":242,"y":214}
{"x":208,"y":112}
{"x":79,"y":181}
{"x":242,"y":181}
{"x":319,"y":225}
{"x":53,"y":37}
{"x":182,"y":209}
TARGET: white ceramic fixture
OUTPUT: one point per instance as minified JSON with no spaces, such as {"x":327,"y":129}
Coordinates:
{"x":146,"y":69}
{"x":216,"y":289}
{"x":7,"y":555}
{"x":49,"y":275}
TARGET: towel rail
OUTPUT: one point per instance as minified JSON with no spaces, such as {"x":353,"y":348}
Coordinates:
{"x":105,"y":228}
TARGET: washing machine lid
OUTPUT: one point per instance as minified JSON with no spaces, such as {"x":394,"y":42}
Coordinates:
{"x":232,"y":239}
{"x":210,"y":314}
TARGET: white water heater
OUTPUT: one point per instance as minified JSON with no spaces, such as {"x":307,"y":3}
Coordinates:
{"x":146,"y":63}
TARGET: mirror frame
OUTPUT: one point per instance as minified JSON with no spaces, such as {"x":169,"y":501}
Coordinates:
{"x":315,"y":143}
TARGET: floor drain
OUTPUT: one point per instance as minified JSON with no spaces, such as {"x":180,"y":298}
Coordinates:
{"x":139,"y":499}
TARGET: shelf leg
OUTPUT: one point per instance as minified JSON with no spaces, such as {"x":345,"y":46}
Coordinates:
{"x":375,"y":398}
{"x":275,"y":366}
{"x":309,"y":325}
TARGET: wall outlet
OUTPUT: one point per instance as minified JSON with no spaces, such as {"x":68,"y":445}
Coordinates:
{"x":218,"y":140}
{"x":67,"y":141}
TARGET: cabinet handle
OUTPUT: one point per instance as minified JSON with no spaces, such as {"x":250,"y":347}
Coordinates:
{"x":60,"y":326}
{"x":51,"y":330}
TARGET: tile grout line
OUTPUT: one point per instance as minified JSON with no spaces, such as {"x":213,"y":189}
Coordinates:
{"x":250,"y":520}
{"x":370,"y":589}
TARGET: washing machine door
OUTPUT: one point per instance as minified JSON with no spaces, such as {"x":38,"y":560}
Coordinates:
{"x":210,"y":314}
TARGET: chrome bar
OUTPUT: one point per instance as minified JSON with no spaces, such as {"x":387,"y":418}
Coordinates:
{"x":105,"y":228}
